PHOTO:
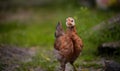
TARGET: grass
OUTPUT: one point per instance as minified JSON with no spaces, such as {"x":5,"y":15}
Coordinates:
{"x":39,"y":31}
{"x":44,"y":59}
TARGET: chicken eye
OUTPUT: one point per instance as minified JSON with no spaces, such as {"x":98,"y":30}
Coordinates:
{"x":71,"y":20}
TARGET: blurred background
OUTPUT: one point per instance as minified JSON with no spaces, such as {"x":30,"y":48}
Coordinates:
{"x":27,"y":33}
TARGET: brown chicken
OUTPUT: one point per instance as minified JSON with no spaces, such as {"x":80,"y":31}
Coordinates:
{"x":67,"y":45}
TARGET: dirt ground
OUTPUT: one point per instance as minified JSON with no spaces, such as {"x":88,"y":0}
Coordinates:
{"x":12,"y":56}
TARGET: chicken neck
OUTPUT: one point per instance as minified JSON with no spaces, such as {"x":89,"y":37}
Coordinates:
{"x":71,"y":30}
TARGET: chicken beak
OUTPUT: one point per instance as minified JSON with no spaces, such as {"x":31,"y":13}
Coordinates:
{"x":69,"y":23}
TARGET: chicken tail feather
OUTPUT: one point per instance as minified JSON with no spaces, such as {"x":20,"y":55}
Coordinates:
{"x":59,"y":30}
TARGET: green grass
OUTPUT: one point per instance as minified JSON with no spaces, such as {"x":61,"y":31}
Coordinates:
{"x":40,"y":32}
{"x":44,"y":59}
{"x":37,"y":31}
